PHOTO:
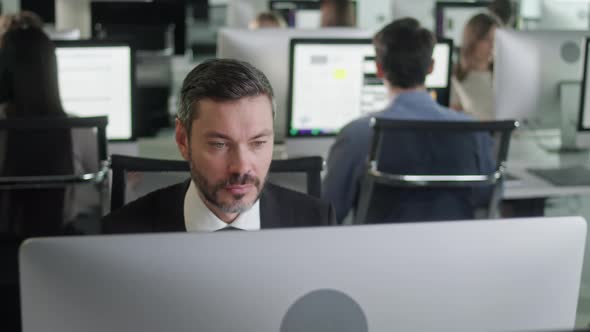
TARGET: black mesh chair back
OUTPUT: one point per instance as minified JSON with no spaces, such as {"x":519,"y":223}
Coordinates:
{"x":434,"y":181}
{"x":37,"y":166}
{"x":174,"y":171}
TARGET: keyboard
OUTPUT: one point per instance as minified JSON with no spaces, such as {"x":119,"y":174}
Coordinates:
{"x":566,"y":176}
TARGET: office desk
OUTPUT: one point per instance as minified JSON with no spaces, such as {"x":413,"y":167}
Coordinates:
{"x":538,"y":149}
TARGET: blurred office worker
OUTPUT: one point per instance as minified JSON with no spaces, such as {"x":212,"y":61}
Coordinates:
{"x":337,"y":13}
{"x":472,"y":88}
{"x":29,"y":89}
{"x":268,"y":20}
{"x":224,"y":130}
{"x":404,"y":58}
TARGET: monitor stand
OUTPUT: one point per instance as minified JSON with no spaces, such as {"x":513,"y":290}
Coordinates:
{"x":569,"y":100}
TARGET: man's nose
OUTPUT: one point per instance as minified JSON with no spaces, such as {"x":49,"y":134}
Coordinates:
{"x":240,"y":161}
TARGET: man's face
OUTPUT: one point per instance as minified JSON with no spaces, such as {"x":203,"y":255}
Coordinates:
{"x":229,"y":151}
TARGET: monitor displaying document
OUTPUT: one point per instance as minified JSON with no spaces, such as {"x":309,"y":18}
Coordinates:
{"x":333,"y":81}
{"x":96,"y":78}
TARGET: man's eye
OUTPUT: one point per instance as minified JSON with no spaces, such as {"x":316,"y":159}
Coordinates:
{"x":217,"y":145}
{"x":258,"y":144}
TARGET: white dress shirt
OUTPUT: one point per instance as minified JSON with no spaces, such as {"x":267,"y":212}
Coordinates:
{"x":198,"y":217}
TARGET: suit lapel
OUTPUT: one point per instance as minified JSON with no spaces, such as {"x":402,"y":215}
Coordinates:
{"x":270,"y":212}
{"x":172,"y":210}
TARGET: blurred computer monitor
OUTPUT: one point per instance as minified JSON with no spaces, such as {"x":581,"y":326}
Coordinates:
{"x":451,"y":17}
{"x":334,"y":81}
{"x":268,"y":50}
{"x":495,"y":275}
{"x":97,"y":78}
{"x":144,"y":23}
{"x":530,"y":69}
{"x":583,"y":135}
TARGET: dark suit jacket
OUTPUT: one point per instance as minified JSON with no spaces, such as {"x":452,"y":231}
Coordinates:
{"x":163,"y":211}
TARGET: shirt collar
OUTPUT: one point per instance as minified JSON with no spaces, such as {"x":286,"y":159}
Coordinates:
{"x":198,"y":217}
{"x":414,"y":97}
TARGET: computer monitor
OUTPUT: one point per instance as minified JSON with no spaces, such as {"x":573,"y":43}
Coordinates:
{"x":140,"y":21}
{"x":268,"y":50}
{"x":334,"y":81}
{"x":97,"y":78}
{"x":495,"y":275}
{"x":451,"y":17}
{"x":530,"y":69}
{"x":583,"y":135}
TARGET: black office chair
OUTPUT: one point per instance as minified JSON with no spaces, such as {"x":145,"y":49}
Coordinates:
{"x":34,"y":177}
{"x":391,"y":177}
{"x":121,"y":165}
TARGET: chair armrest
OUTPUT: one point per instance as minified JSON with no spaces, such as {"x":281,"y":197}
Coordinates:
{"x":53,"y":181}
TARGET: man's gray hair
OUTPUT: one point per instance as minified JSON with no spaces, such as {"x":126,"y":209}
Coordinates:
{"x":221,"y":80}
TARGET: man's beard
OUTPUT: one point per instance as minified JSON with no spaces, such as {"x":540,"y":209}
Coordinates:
{"x":210,"y":191}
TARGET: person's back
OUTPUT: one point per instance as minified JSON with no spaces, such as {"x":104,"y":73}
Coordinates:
{"x":30,"y":91}
{"x":407,"y":152}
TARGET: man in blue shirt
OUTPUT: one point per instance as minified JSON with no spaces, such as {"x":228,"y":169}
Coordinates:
{"x":404,"y":58}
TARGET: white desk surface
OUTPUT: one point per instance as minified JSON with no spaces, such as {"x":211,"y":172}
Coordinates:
{"x":539,"y":150}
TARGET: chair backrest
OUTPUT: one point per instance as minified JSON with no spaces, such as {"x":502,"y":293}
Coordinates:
{"x":311,"y":167}
{"x":435,"y":162}
{"x":34,"y":173}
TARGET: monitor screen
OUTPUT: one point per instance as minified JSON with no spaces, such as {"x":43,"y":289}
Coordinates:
{"x":584,"y":119}
{"x":334,"y":81}
{"x":96,"y":79}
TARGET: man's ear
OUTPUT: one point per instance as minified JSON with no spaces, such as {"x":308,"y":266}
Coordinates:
{"x":380,"y":72}
{"x":182,"y":138}
{"x":431,"y":67}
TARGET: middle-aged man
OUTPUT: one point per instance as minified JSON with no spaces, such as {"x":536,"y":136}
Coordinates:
{"x":224,"y":130}
{"x":404,"y":58}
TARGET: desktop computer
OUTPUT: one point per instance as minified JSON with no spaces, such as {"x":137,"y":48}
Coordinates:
{"x":268,"y":50}
{"x":97,"y":78}
{"x":334,"y":81}
{"x":494,"y":275}
{"x":533,"y":76}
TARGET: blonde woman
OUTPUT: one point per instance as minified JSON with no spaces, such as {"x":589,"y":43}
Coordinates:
{"x":472,"y":81}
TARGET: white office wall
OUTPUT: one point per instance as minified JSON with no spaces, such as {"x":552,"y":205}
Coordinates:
{"x":422,"y":10}
{"x":10,"y":6}
{"x":373,"y":15}
{"x":73,"y":14}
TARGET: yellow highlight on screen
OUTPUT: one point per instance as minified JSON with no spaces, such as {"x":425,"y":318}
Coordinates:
{"x":340,"y":74}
